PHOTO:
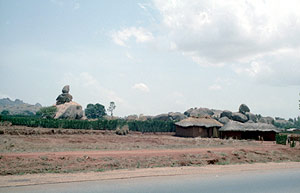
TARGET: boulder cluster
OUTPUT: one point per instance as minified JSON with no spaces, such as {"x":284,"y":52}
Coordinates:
{"x":65,"y":97}
{"x":66,"y":108}
{"x":243,"y":115}
{"x":224,"y":116}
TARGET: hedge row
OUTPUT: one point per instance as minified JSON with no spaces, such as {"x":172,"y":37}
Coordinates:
{"x":101,"y":124}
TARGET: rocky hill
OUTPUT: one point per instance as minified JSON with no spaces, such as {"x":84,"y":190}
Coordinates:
{"x":18,"y":107}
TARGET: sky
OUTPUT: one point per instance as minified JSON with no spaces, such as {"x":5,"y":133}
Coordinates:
{"x":153,"y":57}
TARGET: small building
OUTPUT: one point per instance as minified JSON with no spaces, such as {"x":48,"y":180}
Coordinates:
{"x":257,"y":131}
{"x":198,"y":127}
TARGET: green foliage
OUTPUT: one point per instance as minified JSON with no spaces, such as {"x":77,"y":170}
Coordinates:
{"x":281,"y":139}
{"x":293,"y":123}
{"x":111,"y":108}
{"x":101,"y":124}
{"x":47,"y":112}
{"x":152,"y":126}
{"x":284,"y":126}
{"x":96,"y":111}
{"x":5,"y":112}
{"x":293,"y":143}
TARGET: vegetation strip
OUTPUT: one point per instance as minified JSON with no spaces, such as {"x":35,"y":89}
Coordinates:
{"x":101,"y":124}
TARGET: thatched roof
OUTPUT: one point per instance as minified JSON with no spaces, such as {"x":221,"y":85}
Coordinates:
{"x":237,"y":126}
{"x":200,"y":122}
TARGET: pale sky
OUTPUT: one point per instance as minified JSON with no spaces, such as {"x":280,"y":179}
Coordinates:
{"x":153,"y":57}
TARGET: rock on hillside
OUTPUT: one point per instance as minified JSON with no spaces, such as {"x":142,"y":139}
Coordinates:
{"x":18,"y":107}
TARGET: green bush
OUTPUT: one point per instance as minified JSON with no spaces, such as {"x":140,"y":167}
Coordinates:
{"x":281,"y":139}
{"x":47,"y":112}
{"x":293,"y":143}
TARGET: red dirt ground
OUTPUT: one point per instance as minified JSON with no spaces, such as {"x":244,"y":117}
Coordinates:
{"x":37,"y":150}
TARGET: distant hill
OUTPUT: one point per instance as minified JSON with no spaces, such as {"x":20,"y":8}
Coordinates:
{"x":18,"y":107}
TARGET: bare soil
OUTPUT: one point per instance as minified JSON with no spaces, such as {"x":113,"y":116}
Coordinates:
{"x":26,"y":150}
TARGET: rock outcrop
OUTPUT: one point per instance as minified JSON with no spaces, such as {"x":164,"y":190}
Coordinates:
{"x":239,"y":117}
{"x":199,"y":112}
{"x":251,"y":117}
{"x":66,"y":108}
{"x":268,"y":120}
{"x":69,"y":110}
{"x":65,"y":97}
{"x":227,"y":114}
{"x":131,"y":118}
{"x":161,"y":117}
{"x":176,"y":116}
{"x":224,"y":120}
{"x":244,"y":109}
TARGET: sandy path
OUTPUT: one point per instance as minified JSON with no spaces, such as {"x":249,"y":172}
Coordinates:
{"x":34,"y":179}
{"x":147,"y":152}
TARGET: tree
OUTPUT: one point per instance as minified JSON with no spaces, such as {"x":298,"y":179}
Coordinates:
{"x":95,"y":111}
{"x":5,"y":112}
{"x":111,"y":108}
{"x":47,"y":112}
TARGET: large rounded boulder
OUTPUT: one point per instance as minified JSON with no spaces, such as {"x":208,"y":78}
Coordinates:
{"x":224,"y":120}
{"x":227,"y":114}
{"x":239,"y":117}
{"x":201,"y":113}
{"x":244,"y":109}
{"x":176,"y":116}
{"x":251,"y":117}
{"x":69,"y":110}
{"x":161,"y":117}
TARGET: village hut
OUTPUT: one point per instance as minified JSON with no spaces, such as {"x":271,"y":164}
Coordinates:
{"x":257,"y":131}
{"x":198,"y":127}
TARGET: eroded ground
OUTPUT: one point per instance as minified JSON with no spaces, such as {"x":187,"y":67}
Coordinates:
{"x":38,"y":150}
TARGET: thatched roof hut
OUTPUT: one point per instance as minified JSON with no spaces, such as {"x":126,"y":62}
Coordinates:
{"x":249,"y":131}
{"x":195,"y":127}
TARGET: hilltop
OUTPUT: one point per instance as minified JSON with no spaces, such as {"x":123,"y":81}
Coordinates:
{"x":18,"y":107}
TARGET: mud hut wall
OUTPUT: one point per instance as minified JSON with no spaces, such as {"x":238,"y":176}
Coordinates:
{"x":184,"y":132}
{"x":231,"y":134}
{"x":216,"y":132}
{"x":201,"y":131}
{"x":192,"y":131}
{"x":267,"y":136}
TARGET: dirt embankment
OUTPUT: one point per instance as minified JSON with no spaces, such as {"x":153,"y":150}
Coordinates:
{"x":67,"y":151}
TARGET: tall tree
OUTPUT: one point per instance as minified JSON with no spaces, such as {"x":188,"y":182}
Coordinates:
{"x":111,"y":108}
{"x":95,"y":111}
